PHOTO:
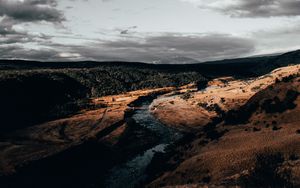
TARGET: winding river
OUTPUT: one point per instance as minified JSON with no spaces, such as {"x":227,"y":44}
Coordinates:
{"x":132,"y":172}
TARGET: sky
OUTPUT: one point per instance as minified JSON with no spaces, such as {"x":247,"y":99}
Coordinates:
{"x":153,"y":31}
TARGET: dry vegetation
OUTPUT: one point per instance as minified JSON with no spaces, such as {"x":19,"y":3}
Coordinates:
{"x":66,"y":122}
{"x":251,"y":141}
{"x":30,"y":97}
{"x":105,"y":123}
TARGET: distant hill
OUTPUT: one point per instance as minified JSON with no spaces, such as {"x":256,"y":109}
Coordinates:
{"x":38,"y":91}
{"x":251,"y":66}
{"x":177,"y":60}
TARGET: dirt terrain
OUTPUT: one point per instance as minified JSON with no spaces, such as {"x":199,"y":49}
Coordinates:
{"x":236,"y":132}
{"x":195,"y":109}
{"x":246,"y":133}
{"x":104,"y":122}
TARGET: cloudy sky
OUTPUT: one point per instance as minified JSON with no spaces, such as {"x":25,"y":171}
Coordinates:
{"x":147,"y":30}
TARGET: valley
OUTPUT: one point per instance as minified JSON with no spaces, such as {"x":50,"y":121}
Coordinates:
{"x":150,"y":126}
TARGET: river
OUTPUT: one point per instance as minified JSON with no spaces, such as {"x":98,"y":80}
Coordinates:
{"x":133,"y":171}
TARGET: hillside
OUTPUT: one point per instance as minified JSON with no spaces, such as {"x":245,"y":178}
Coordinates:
{"x":110,"y":124}
{"x":251,"y":140}
{"x":26,"y":84}
{"x":37,"y":95}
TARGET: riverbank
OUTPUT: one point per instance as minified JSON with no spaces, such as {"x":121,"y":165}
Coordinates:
{"x":251,"y":140}
{"x":78,"y":150}
{"x":192,"y":109}
{"x":133,"y":172}
{"x":227,"y":132}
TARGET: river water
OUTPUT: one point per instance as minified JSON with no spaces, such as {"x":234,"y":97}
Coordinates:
{"x":132,"y":172}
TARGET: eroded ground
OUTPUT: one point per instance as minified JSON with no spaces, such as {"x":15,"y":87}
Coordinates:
{"x":243,"y":133}
{"x":194,"y":109}
{"x":247,"y":133}
{"x":104,"y":123}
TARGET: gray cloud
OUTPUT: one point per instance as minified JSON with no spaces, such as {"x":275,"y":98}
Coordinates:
{"x":6,"y":25}
{"x":265,"y":8}
{"x":205,"y":47}
{"x":278,"y":40}
{"x":31,"y":10}
{"x":127,"y":30}
{"x":15,"y":12}
{"x":159,"y":48}
{"x":252,"y":8}
{"x":22,"y":53}
{"x":10,"y":36}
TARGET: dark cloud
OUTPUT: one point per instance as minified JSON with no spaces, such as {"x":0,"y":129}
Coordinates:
{"x":127,"y":30}
{"x":5,"y":50}
{"x":14,"y":12}
{"x":252,"y":8}
{"x":265,"y":8}
{"x":78,"y":0}
{"x":19,"y":52}
{"x":8,"y":35}
{"x":152,"y":49}
{"x":206,"y":47}
{"x":31,"y":10}
{"x":6,"y":25}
